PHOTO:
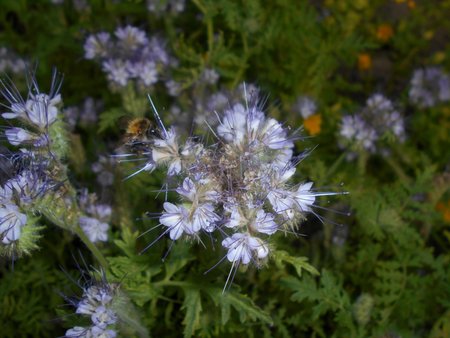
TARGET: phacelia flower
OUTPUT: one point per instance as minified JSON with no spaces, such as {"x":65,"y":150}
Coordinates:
{"x":429,"y":87}
{"x":129,"y":55}
{"x":160,"y":7}
{"x":239,"y":186}
{"x":95,"y":221}
{"x":105,"y":307}
{"x":363,"y":131}
{"x":10,"y":62}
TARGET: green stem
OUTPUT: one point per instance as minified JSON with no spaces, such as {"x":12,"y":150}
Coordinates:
{"x":243,"y":65}
{"x":94,"y":250}
{"x":362,"y":162}
{"x":398,"y":170}
{"x":209,"y":24}
{"x":335,"y":166}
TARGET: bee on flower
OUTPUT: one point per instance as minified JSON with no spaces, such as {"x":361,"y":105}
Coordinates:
{"x":238,"y":187}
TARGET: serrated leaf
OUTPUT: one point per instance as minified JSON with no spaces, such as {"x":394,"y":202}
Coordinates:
{"x":193,"y":306}
{"x":246,"y":307}
{"x":109,"y":118}
{"x":299,"y":263}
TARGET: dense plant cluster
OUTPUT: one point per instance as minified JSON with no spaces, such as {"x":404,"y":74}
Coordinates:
{"x":220,"y":168}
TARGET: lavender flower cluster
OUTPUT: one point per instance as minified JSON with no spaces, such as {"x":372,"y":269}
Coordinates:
{"x":376,"y":119}
{"x":129,"y":55}
{"x":97,"y":303}
{"x":30,"y":164}
{"x":38,"y":182}
{"x":85,"y":115}
{"x":160,"y":7}
{"x":238,"y":187}
{"x":207,"y":99}
{"x":10,"y":62}
{"x":96,"y":216}
{"x":429,"y":87}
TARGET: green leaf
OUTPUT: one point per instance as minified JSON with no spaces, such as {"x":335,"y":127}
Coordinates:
{"x":299,"y":263}
{"x":245,"y":307}
{"x":193,"y":306}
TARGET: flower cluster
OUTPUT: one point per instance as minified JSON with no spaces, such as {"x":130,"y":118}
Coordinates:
{"x":377,"y":118}
{"x":160,"y":7}
{"x":85,"y":115}
{"x":129,"y":55}
{"x":15,"y":197}
{"x":38,"y":184}
{"x":97,"y":303}
{"x":104,"y":169}
{"x":429,"y":86}
{"x":94,"y":221}
{"x":238,"y":187}
{"x":10,"y":62}
{"x":206,"y":100}
{"x":34,"y":166}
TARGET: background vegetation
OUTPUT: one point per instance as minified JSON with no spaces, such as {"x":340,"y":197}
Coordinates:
{"x":382,"y":271}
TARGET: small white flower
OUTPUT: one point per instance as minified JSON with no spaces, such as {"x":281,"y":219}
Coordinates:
{"x":204,"y":217}
{"x":98,"y":332}
{"x":102,"y":317}
{"x":42,"y":110}
{"x":188,"y":189}
{"x":305,"y":106}
{"x":235,"y":217}
{"x":148,"y":73}
{"x":94,"y":229}
{"x":93,"y":297}
{"x":17,"y":110}
{"x":97,"y":45}
{"x":282,"y":202}
{"x":11,"y":223}
{"x":176,"y":218}
{"x":78,"y":332}
{"x":274,"y":136}
{"x":233,"y":126}
{"x":264,"y":223}
{"x":243,"y":247}
{"x":117,"y":71}
{"x":167,"y":151}
{"x":18,"y":136}
{"x":131,"y":37}
{"x":379,"y":103}
{"x":304,"y":197}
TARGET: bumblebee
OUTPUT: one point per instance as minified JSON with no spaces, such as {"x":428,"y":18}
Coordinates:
{"x":138,"y":133}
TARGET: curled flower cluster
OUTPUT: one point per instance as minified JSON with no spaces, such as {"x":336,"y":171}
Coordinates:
{"x":129,"y":55}
{"x":429,"y":86}
{"x":38,"y":184}
{"x":239,"y":187}
{"x":364,"y":130}
{"x":14,"y":198}
{"x":34,"y":165}
{"x":97,"y":303}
